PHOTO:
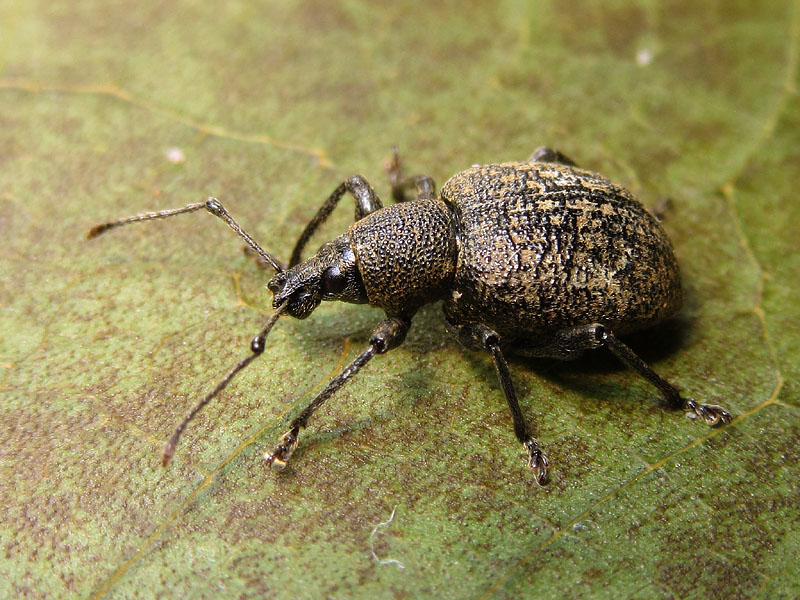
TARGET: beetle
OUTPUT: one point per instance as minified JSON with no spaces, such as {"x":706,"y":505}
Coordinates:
{"x":538,"y":258}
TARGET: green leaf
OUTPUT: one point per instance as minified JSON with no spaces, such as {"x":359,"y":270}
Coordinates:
{"x":108,"y":109}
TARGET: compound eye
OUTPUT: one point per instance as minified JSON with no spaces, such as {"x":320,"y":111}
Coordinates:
{"x":333,"y":281}
{"x":276,"y":284}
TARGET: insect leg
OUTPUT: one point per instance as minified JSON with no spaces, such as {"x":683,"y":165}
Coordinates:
{"x":367,"y":202}
{"x":474,"y":335}
{"x":416,"y":187}
{"x":213,"y":206}
{"x":545,"y":154}
{"x":572,"y":342}
{"x":389,"y":334}
{"x":710,"y":413}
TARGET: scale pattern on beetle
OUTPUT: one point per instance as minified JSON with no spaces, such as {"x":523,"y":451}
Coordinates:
{"x":545,"y":246}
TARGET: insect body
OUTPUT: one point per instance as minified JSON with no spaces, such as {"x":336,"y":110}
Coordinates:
{"x":537,"y":258}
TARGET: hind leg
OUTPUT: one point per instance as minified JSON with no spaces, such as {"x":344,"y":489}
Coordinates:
{"x":572,"y":342}
{"x":545,"y":154}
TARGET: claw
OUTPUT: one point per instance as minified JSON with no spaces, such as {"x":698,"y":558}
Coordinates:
{"x":537,"y":461}
{"x":279,"y":456}
{"x":712,"y":414}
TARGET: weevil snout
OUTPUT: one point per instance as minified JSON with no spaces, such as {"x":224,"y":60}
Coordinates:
{"x":299,"y":287}
{"x":293,"y":287}
{"x":277,"y":282}
{"x":331,"y":274}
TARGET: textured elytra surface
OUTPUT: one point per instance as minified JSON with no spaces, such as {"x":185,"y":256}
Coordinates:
{"x":105,"y":345}
{"x":546,"y":247}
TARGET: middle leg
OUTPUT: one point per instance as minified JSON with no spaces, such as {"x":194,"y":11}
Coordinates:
{"x":545,"y":154}
{"x":475,"y":335}
{"x":415,"y":187}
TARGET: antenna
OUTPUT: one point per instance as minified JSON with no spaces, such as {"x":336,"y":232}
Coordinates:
{"x":213,"y":206}
{"x":257,"y":347}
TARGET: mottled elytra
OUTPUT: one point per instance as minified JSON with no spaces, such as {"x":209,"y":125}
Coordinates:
{"x":537,"y":258}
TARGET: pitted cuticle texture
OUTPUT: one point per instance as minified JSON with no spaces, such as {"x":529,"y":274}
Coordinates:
{"x":406,"y":254}
{"x":545,"y":246}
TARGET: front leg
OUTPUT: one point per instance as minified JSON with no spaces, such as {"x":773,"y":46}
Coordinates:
{"x":389,"y":334}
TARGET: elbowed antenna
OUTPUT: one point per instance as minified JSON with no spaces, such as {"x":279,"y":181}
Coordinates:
{"x":213,"y":206}
{"x":257,"y":346}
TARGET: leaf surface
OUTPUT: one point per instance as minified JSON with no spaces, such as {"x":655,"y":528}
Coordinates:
{"x":108,"y":109}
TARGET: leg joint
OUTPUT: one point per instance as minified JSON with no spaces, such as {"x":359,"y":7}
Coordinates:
{"x":389,"y":334}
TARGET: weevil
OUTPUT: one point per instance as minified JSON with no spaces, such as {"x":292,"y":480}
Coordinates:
{"x":538,"y":258}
